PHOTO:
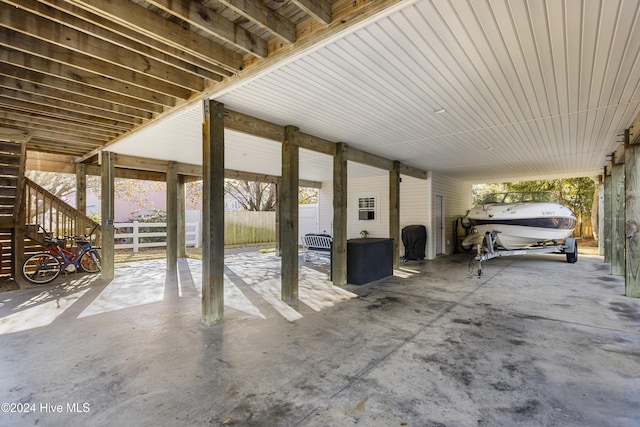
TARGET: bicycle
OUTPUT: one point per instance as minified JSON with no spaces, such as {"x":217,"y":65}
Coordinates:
{"x":43,"y":267}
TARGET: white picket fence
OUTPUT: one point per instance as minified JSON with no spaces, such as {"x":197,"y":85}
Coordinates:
{"x":191,"y":235}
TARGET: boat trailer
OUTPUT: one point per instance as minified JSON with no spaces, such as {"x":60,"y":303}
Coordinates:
{"x":487,"y":249}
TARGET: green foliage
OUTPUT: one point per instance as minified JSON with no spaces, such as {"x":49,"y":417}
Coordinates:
{"x":95,"y":216}
{"x":480,"y":191}
{"x":155,"y":215}
{"x":308,"y":196}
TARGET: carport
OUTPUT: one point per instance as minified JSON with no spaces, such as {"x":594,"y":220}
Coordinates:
{"x":323,"y":91}
{"x":460,"y":98}
{"x":429,"y":346}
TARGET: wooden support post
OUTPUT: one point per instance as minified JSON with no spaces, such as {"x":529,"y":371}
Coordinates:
{"x":618,"y":222}
{"x":608,"y":215}
{"x":339,"y":254}
{"x":289,"y":214}
{"x":182,"y":244}
{"x":20,"y":218}
{"x":172,"y":217}
{"x":108,"y":213}
{"x":213,"y":213}
{"x":632,"y":216}
{"x":81,"y":197}
{"x":394,"y":211}
{"x":278,"y":188}
{"x":601,"y":215}
{"x":18,"y":244}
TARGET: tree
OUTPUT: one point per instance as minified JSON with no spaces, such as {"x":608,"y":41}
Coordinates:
{"x":308,"y":196}
{"x":252,"y":196}
{"x":61,"y":185}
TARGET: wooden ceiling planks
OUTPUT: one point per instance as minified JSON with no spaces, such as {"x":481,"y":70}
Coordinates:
{"x":78,"y":74}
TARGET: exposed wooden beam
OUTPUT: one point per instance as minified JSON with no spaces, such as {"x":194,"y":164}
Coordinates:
{"x":17,"y":135}
{"x":62,"y":137}
{"x":93,"y":25}
{"x":48,"y":147}
{"x":261,"y":15}
{"x":153,"y":25}
{"x":74,"y":90}
{"x":413,"y":172}
{"x":319,"y":145}
{"x":49,"y":31}
{"x":33,"y":121}
{"x":253,"y":126}
{"x":37,"y":99}
{"x":62,"y":114}
{"x":45,"y":93}
{"x":23,"y":60}
{"x":57,"y":54}
{"x":320,"y":10}
{"x":359,"y":156}
{"x":131,"y":174}
{"x":140,"y":42}
{"x":214,"y":24}
{"x":140,"y":163}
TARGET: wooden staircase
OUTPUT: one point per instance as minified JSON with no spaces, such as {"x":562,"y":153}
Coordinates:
{"x":25,"y":205}
{"x":12,"y":161}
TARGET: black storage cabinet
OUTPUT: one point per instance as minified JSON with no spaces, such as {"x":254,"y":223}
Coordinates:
{"x":369,"y":260}
{"x":414,"y":239}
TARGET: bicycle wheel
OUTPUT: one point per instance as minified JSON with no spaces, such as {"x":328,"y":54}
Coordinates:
{"x":41,"y":268}
{"x":90,"y":261}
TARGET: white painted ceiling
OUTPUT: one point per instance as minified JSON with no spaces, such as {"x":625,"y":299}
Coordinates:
{"x":532,"y":89}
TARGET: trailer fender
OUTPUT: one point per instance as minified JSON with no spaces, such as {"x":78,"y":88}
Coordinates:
{"x":571,"y":249}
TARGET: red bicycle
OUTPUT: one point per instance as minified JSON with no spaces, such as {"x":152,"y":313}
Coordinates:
{"x":45,"y":266}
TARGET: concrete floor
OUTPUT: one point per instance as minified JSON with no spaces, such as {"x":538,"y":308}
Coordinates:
{"x":534,"y":342}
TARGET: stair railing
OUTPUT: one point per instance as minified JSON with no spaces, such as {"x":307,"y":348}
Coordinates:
{"x":59,"y":218}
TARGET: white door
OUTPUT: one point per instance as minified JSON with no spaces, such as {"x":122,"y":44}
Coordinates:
{"x":307,"y":220}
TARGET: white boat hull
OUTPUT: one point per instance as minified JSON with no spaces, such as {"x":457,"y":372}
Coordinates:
{"x":515,"y":237}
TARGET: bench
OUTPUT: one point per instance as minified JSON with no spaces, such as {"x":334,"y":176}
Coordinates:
{"x":316,"y":245}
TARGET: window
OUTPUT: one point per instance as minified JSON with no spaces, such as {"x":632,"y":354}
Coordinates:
{"x":366,"y":208}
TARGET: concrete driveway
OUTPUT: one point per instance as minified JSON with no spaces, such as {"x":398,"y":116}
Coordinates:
{"x":534,"y":342}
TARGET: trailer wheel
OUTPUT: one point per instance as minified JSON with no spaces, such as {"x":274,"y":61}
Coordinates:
{"x":573,"y":256}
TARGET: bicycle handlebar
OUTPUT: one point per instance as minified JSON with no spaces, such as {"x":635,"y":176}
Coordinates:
{"x":48,"y":236}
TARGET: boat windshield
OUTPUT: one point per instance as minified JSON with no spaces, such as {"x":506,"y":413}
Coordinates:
{"x":519,"y":197}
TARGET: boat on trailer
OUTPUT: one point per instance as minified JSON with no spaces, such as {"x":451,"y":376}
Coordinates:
{"x":520,"y":220}
{"x":519,"y":223}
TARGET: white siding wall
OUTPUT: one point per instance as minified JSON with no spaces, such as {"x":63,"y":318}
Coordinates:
{"x":414,"y":205}
{"x":325,"y":203}
{"x":417,"y":206}
{"x":377,"y":186}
